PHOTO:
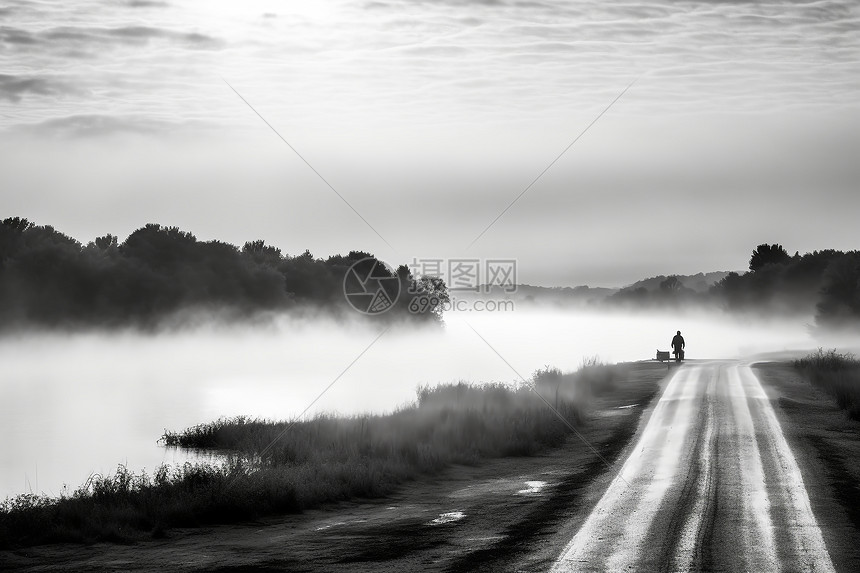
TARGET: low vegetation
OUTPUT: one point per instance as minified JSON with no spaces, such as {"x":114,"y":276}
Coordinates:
{"x":280,"y":467}
{"x":838,"y":374}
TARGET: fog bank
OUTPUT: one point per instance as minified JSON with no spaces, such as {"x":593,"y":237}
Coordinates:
{"x":81,"y":403}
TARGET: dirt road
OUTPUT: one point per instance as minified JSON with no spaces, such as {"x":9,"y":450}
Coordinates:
{"x":711,"y":484}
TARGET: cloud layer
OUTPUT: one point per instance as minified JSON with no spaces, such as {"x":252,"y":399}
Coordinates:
{"x":739,"y":106}
{"x":426,"y":62}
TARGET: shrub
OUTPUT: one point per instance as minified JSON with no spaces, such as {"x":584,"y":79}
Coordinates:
{"x":838,"y":374}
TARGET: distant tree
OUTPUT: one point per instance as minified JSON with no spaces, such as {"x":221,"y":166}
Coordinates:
{"x":310,"y":280}
{"x":435,"y":289}
{"x":253,"y":246}
{"x":106,"y":243}
{"x":11,"y":240}
{"x":840,"y":297}
{"x":260,"y":252}
{"x":18,"y":224}
{"x":671,"y":284}
{"x":803,"y":278}
{"x":629,"y":296}
{"x":341,"y":262}
{"x":766,"y":254}
{"x":49,"y":278}
{"x":47,"y":236}
{"x":404,"y":273}
{"x":160,"y":247}
{"x":423,"y":297}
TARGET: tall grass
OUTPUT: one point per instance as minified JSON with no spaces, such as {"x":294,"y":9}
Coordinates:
{"x":281,"y":467}
{"x":838,"y":374}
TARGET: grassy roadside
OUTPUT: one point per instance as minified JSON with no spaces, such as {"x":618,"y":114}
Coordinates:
{"x":836,"y":373}
{"x":275,"y":468}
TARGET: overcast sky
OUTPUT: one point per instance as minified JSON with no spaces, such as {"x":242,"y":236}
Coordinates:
{"x":430,"y":117}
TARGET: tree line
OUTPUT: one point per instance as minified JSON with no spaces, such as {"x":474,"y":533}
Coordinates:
{"x":50,"y":279}
{"x":824,"y":283}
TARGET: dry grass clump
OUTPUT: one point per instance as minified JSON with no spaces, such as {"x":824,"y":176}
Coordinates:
{"x":838,"y":373}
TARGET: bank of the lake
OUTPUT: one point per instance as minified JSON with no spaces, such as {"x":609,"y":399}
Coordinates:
{"x":279,"y":469}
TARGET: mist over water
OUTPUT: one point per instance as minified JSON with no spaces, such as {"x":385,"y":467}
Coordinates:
{"x":74,"y":404}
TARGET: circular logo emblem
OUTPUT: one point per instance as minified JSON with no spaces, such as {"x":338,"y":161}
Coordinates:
{"x":371,"y":286}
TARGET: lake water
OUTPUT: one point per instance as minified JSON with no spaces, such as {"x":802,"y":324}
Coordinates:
{"x":71,"y":405}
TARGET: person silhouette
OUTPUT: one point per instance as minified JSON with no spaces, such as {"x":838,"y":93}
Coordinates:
{"x":678,"y":346}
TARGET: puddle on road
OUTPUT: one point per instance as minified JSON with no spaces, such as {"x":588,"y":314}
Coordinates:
{"x":499,"y":487}
{"x":532,"y":488}
{"x":448,"y":517}
{"x":329,"y":526}
{"x":339,"y":523}
{"x":614,"y":411}
{"x":485,"y":539}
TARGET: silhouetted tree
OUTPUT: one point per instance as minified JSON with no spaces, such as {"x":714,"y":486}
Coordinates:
{"x":17,"y":224}
{"x":48,"y":278}
{"x":262,"y":253}
{"x":840,"y":298}
{"x":766,"y":254}
{"x":11,"y":231}
{"x":107,"y":242}
{"x":730,"y":291}
{"x":672,"y":284}
{"x":434,"y":290}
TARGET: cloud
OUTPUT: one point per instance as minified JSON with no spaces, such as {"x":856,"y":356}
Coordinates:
{"x":98,"y":38}
{"x":147,"y":4}
{"x":131,"y":35}
{"x":96,"y":125}
{"x":13,"y":87}
{"x":9,"y":35}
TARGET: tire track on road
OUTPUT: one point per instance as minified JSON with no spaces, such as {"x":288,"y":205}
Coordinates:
{"x":687,"y":548}
{"x":757,"y":531}
{"x":804,"y":548}
{"x":703,"y":555}
{"x":622,"y":517}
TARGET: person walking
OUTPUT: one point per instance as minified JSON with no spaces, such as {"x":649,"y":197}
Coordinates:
{"x":678,"y":346}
